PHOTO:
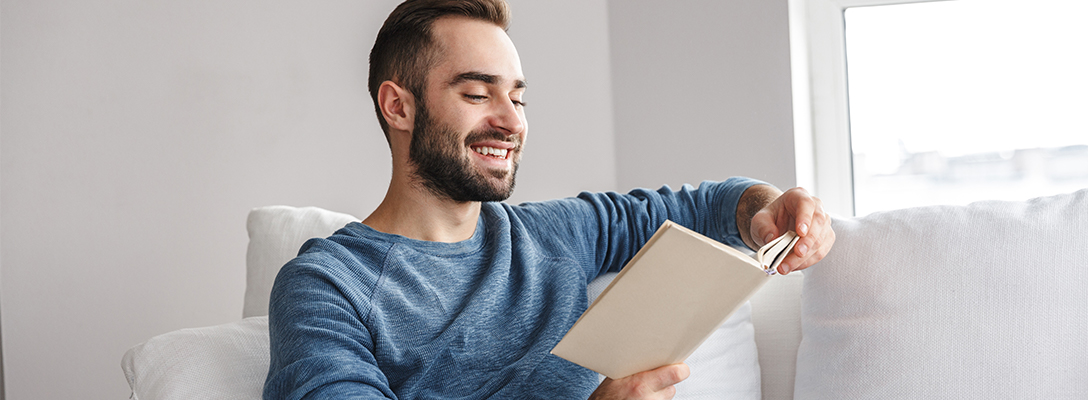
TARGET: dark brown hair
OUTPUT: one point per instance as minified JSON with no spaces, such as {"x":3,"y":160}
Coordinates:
{"x":404,"y":51}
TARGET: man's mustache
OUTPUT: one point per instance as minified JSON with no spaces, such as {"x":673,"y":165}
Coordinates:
{"x":493,"y":134}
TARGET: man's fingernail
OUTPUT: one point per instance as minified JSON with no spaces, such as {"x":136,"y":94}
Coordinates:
{"x":803,"y":229}
{"x":802,"y":249}
{"x":768,"y":238}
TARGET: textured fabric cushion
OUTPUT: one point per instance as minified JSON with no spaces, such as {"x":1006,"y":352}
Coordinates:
{"x":776,"y":316}
{"x":275,"y":235}
{"x":982,"y":301}
{"x":726,"y":366}
{"x":227,"y":361}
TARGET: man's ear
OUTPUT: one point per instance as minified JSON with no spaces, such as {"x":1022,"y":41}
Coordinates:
{"x":398,"y":106}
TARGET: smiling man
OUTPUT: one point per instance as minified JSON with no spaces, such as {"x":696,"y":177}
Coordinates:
{"x":445,"y":292}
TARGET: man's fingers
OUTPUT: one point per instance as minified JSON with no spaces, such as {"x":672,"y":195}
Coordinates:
{"x":812,"y":224}
{"x":797,"y":258}
{"x":817,"y":225}
{"x":668,"y":375}
{"x":765,"y":227}
{"x":816,"y":245}
{"x":654,"y":384}
{"x":801,"y":207}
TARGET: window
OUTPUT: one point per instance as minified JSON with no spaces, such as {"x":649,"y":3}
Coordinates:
{"x":947,"y":102}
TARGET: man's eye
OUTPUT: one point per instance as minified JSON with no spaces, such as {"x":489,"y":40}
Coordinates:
{"x":475,"y":98}
{"x":518,"y":103}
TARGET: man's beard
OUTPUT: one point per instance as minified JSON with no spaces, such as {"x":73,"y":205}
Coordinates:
{"x":444,"y":169}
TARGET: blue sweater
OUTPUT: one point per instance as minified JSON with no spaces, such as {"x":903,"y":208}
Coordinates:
{"x":364,"y":314}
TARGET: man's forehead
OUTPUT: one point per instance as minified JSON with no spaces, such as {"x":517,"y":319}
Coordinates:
{"x":475,"y":51}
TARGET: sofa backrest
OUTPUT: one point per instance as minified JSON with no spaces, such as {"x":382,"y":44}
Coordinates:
{"x":988,"y":300}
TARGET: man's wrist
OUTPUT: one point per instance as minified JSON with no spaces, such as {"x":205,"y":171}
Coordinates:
{"x":753,"y":199}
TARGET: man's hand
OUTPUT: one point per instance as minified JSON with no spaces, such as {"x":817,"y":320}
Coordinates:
{"x":777,"y":213}
{"x":654,"y":384}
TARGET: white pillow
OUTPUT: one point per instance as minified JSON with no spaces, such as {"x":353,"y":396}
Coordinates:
{"x":275,"y":235}
{"x":228,"y":361}
{"x":726,"y":365}
{"x":982,"y":301}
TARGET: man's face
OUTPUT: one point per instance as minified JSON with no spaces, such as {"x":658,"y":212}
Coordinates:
{"x":470,"y":126}
{"x":442,"y":166}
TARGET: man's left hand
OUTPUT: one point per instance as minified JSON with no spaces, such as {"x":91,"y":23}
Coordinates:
{"x":800,"y":212}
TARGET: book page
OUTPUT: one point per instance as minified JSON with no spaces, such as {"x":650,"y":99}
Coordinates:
{"x":771,"y":254}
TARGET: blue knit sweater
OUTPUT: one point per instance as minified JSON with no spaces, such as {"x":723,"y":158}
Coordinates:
{"x":364,"y":314}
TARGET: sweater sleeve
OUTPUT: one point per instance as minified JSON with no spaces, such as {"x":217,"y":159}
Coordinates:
{"x":320,"y":347}
{"x":619,"y":224}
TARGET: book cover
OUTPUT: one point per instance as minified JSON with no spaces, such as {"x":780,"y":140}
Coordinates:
{"x":667,"y":300}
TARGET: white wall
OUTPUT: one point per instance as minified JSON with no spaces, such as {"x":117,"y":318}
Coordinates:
{"x":701,"y":90}
{"x":135,"y":136}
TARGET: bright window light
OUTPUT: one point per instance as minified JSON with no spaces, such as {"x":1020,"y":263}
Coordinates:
{"x":956,"y":101}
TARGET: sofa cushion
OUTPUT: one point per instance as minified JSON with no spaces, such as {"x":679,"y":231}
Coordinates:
{"x":776,"y":316}
{"x":228,"y":361}
{"x":988,"y":300}
{"x":275,"y":235}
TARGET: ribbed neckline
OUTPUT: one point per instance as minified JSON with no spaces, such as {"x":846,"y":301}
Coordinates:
{"x":470,"y":245}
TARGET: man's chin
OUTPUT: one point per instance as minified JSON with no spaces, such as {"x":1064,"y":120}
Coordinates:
{"x":482,"y":190}
{"x":502,"y":189}
{"x":499,"y":192}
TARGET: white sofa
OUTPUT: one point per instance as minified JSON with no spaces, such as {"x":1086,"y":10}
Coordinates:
{"x":982,"y":301}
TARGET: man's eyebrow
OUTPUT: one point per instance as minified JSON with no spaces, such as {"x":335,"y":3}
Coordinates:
{"x":485,"y":78}
{"x":473,"y":76}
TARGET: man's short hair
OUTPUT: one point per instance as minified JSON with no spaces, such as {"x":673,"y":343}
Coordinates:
{"x":404,"y":51}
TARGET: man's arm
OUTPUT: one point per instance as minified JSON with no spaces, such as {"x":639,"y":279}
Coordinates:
{"x":764,"y":213}
{"x":617,"y":225}
{"x":318,"y":346}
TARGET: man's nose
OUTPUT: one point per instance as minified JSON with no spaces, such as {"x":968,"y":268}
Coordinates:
{"x":507,"y":118}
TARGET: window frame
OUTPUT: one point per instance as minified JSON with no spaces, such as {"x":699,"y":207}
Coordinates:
{"x":820,"y":100}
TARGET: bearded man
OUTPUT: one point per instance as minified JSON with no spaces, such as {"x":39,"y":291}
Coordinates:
{"x":445,"y":292}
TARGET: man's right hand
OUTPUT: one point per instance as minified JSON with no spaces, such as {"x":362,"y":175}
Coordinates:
{"x":654,"y":384}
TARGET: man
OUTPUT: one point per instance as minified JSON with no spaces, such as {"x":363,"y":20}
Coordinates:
{"x":444,"y":292}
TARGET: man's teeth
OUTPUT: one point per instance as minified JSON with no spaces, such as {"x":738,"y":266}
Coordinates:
{"x":491,"y":151}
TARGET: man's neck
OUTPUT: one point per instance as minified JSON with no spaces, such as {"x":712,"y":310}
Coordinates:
{"x":413,"y":211}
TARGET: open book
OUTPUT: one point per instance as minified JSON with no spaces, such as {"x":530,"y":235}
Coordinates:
{"x":667,"y":300}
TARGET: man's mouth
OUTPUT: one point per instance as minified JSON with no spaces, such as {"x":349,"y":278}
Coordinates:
{"x":491,"y":152}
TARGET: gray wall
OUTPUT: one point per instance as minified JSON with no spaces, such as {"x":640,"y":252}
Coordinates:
{"x":563,"y":45}
{"x":135,"y":136}
{"x":701,"y":90}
